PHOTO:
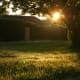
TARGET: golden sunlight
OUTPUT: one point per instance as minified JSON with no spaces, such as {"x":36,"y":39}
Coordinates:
{"x":56,"y":16}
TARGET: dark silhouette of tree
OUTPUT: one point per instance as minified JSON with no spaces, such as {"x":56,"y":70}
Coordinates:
{"x":73,"y":20}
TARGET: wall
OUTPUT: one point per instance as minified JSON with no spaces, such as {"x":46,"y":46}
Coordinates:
{"x":20,"y":28}
{"x":11,"y":30}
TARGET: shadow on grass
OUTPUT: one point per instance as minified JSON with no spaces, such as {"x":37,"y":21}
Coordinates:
{"x":36,"y":46}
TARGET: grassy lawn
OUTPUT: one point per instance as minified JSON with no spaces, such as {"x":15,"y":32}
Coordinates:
{"x":39,"y":60}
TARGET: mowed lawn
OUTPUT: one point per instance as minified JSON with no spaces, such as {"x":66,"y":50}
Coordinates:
{"x":39,"y":60}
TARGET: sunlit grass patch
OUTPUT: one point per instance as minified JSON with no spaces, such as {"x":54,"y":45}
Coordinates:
{"x":38,"y":61}
{"x":38,"y":66}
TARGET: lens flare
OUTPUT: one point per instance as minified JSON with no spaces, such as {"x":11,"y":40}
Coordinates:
{"x":56,"y":16}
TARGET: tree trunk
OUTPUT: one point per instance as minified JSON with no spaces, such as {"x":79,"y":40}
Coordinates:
{"x":76,"y":33}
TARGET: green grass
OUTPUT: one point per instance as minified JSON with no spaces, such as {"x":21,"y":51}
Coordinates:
{"x":35,"y":46}
{"x":39,"y":60}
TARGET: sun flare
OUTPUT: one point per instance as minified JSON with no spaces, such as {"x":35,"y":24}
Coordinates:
{"x":56,"y":16}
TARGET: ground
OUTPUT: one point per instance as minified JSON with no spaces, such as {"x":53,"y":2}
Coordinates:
{"x":39,"y":60}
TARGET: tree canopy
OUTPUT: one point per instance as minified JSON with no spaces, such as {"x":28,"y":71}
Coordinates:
{"x":40,"y":6}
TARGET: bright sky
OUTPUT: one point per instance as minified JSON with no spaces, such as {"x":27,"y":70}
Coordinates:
{"x":1,"y":3}
{"x":55,"y":17}
{"x":10,"y":11}
{"x":41,"y":17}
{"x":7,"y":0}
{"x":19,"y":11}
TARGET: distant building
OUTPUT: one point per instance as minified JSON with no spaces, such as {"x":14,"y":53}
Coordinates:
{"x":15,"y":28}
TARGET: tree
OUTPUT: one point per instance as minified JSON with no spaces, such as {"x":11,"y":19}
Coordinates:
{"x":73,"y":20}
{"x":71,"y":9}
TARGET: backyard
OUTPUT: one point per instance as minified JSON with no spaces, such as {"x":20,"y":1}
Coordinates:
{"x":39,"y":60}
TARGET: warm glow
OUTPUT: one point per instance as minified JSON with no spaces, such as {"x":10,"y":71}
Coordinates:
{"x":41,"y":17}
{"x":56,"y":16}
